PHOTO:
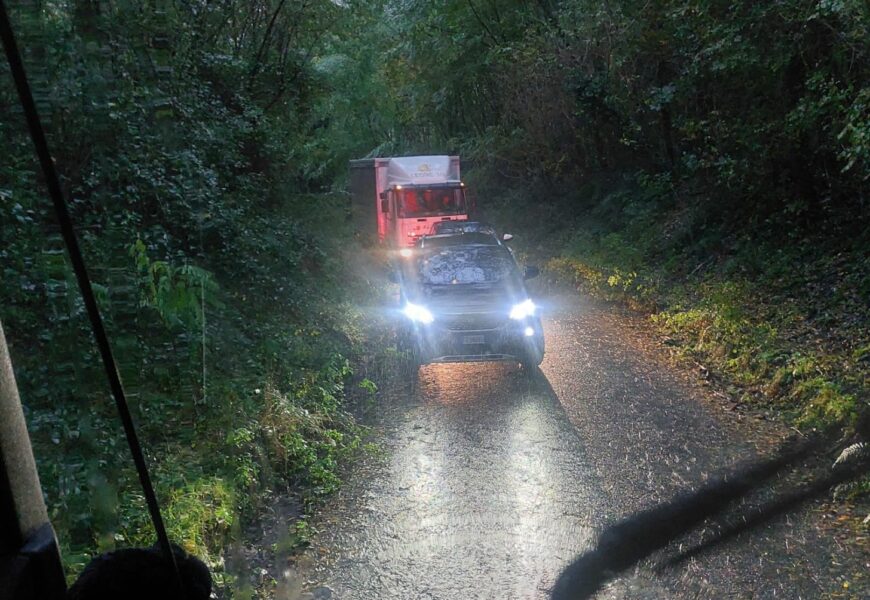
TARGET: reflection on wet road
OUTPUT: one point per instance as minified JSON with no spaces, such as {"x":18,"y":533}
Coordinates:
{"x":485,"y":494}
{"x":491,"y":481}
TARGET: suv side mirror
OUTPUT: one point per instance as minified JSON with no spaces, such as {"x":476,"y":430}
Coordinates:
{"x":531,"y":272}
{"x":507,"y":237}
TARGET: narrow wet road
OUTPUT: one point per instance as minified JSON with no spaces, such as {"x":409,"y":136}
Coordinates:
{"x":490,"y":481}
{"x":486,"y":488}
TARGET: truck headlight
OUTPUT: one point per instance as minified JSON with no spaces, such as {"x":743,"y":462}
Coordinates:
{"x":524,"y":309}
{"x":418,"y":313}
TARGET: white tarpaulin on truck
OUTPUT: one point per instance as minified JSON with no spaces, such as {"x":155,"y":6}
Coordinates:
{"x":412,"y":170}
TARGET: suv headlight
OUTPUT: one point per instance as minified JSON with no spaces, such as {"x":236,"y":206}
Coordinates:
{"x":524,"y":309}
{"x":418,"y":313}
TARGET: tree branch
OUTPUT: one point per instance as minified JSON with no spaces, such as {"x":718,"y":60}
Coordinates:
{"x":255,"y":68}
{"x":482,"y":23}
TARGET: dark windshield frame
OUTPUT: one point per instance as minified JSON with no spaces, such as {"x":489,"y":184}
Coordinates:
{"x":462,"y":227}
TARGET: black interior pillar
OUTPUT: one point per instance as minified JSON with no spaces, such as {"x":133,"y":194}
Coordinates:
{"x":30,"y":567}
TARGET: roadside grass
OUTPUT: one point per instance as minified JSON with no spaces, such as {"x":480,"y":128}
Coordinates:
{"x":781,"y":318}
{"x":760,"y":344}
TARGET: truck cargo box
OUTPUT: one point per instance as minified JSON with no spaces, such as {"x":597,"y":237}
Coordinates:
{"x":363,"y":192}
{"x":374,"y":183}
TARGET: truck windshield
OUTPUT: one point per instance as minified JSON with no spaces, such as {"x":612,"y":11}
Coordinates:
{"x":430,"y":202}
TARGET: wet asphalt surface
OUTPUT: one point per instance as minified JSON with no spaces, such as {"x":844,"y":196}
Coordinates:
{"x":489,"y":481}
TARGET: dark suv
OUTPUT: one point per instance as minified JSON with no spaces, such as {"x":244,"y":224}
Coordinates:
{"x":465,"y":303}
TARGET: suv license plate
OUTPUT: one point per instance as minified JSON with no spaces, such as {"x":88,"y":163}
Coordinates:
{"x":472,"y":339}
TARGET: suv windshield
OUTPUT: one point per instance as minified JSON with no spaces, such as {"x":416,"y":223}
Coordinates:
{"x":467,"y":264}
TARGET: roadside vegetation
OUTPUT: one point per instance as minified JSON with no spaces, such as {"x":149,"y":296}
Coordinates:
{"x":703,"y":161}
{"x":779,"y":328}
{"x":217,"y":256}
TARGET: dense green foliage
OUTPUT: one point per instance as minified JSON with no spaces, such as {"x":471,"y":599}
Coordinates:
{"x":177,"y":129}
{"x":702,"y":159}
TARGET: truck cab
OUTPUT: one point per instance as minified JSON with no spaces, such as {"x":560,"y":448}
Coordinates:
{"x":406,"y":196}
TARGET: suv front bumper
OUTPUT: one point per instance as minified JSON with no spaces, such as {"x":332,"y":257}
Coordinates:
{"x":509,"y":341}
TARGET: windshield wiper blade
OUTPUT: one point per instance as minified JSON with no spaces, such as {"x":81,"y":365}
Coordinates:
{"x":774,"y":509}
{"x":629,"y":541}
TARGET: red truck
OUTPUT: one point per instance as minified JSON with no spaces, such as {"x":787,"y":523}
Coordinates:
{"x":401,"y":198}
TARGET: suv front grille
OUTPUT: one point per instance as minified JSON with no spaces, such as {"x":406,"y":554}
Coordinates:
{"x":472,"y":322}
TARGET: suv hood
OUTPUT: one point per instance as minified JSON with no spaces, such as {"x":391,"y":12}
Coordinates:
{"x":470,"y":298}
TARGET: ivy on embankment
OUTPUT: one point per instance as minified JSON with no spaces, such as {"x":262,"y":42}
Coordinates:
{"x":237,"y":388}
